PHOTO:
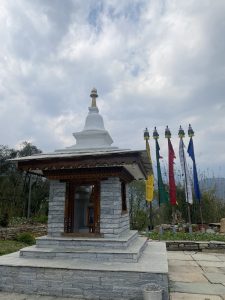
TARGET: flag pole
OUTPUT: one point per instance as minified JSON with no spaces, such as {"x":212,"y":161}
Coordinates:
{"x":196,"y":184}
{"x":200,"y":209}
{"x":181,"y":135}
{"x":149,"y":195}
{"x":155,"y":137}
{"x":162,"y":194}
{"x":172,"y":186}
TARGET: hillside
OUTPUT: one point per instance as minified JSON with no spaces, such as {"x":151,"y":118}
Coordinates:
{"x":215,"y":184}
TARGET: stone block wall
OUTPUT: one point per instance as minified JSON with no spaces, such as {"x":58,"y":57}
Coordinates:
{"x":56,"y":208}
{"x":79,"y":284}
{"x":125,"y":219}
{"x":112,"y":221}
{"x":11,"y":232}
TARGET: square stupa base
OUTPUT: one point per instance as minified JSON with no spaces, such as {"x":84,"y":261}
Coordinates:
{"x":86,"y":279}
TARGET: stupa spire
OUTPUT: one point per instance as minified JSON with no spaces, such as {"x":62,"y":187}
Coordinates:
{"x":93,"y":95}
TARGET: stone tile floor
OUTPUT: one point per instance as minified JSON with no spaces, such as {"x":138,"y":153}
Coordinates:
{"x":196,"y":275}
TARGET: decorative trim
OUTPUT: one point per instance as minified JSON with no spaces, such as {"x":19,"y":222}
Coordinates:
{"x":89,"y":174}
{"x":86,"y":162}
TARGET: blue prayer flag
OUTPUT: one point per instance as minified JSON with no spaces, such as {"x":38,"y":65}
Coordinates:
{"x":191,"y":153}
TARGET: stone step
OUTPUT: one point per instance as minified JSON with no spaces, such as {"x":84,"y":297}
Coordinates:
{"x":121,"y":242}
{"x":130,"y":254}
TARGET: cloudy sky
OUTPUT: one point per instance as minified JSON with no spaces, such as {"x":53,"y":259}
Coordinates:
{"x":154,"y":63}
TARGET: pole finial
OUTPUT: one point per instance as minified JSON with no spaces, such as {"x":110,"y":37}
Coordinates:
{"x":181,"y":133}
{"x":190,"y":131}
{"x":94,"y":95}
{"x":146,"y":134}
{"x":155,"y":134}
{"x":167,"y":133}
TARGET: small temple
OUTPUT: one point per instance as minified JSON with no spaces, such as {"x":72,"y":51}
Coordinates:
{"x":89,"y":232}
{"x":88,"y":181}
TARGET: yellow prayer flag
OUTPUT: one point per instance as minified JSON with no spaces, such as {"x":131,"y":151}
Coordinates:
{"x":149,"y":188}
{"x":150,"y":179}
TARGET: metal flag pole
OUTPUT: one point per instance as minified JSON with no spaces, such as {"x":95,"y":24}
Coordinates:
{"x":168,"y":136}
{"x":181,"y":135}
{"x":150,"y":216}
{"x":191,"y":134}
{"x":155,"y":137}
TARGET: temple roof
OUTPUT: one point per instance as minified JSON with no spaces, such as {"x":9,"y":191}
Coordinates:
{"x":136,"y":162}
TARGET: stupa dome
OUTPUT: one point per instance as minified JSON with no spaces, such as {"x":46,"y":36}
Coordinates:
{"x":94,"y":120}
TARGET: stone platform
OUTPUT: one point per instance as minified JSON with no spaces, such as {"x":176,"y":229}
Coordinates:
{"x":86,"y":278}
{"x":121,"y":242}
{"x":126,"y":248}
{"x":129,"y":254}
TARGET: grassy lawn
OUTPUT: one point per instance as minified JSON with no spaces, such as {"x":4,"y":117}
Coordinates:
{"x":166,"y":236}
{"x":10,"y":246}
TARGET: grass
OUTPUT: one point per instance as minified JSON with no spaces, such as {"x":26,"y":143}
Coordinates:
{"x":7,"y":247}
{"x":170,"y":236}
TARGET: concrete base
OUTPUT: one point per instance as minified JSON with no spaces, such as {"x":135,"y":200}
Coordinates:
{"x":86,"y":279}
{"x":127,"y":248}
{"x":122,"y":242}
{"x":130,"y":254}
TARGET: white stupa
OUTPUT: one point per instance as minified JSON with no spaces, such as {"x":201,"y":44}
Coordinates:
{"x":94,"y":136}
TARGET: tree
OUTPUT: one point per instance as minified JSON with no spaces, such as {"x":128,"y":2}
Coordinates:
{"x":5,"y":154}
{"x":28,"y":149}
{"x":138,"y":210}
{"x":14,"y":184}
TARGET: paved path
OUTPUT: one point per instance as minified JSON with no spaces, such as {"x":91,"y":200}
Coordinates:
{"x":196,"y":275}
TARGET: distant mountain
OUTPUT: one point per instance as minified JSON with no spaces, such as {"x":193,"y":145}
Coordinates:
{"x":215,"y":184}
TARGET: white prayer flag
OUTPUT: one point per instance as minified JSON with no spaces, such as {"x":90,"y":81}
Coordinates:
{"x":185,"y":174}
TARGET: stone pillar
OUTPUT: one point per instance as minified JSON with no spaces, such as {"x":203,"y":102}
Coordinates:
{"x":125,"y":218}
{"x":113,"y":222}
{"x":56,"y":208}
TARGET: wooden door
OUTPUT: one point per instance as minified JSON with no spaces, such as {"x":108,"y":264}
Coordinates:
{"x":71,"y":187}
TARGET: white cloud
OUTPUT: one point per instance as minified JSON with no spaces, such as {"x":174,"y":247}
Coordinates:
{"x":155,"y":63}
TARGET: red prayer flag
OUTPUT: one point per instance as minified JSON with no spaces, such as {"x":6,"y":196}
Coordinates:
{"x":172,"y":185}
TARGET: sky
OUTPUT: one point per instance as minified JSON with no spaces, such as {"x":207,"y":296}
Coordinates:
{"x":153,"y":62}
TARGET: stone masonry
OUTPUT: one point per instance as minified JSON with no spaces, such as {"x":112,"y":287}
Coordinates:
{"x":79,"y":284}
{"x":113,"y":222}
{"x":86,"y":279}
{"x":10,"y":233}
{"x":56,"y":208}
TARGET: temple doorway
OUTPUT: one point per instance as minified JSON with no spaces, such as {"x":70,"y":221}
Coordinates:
{"x":82,"y":208}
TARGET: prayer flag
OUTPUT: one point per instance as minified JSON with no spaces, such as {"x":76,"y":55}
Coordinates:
{"x":172,"y":185}
{"x":162,"y":193}
{"x":185,"y":173}
{"x":195,"y":174}
{"x":150,"y":178}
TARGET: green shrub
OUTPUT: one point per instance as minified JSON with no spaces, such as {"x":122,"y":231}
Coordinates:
{"x":140,"y":220}
{"x":40,"y":219}
{"x":26,"y":238}
{"x":170,"y":236}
